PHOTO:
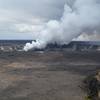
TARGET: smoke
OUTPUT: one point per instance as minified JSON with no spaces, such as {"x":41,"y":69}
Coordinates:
{"x":79,"y":16}
{"x":88,"y":37}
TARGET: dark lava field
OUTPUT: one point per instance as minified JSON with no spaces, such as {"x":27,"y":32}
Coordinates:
{"x":49,"y":75}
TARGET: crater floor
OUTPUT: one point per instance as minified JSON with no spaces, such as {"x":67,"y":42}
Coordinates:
{"x":49,"y":75}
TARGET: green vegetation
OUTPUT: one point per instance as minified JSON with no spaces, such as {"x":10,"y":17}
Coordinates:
{"x":88,"y":98}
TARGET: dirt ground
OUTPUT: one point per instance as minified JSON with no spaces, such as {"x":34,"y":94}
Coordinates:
{"x":49,"y":75}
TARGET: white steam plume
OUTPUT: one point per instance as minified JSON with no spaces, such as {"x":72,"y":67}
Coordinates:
{"x":79,"y":16}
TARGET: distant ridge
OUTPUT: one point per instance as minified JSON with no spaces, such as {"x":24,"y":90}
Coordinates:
{"x":71,"y":43}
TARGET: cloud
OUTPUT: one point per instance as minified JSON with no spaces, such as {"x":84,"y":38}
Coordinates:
{"x":28,"y":16}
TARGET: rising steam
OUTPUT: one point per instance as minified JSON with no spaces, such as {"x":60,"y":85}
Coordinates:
{"x":80,"y":16}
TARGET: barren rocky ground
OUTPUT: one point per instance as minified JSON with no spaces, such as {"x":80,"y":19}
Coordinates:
{"x":49,"y":75}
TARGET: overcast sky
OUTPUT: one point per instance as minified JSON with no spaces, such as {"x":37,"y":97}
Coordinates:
{"x":20,"y":19}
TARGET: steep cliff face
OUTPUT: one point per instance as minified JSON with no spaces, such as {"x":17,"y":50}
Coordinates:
{"x":91,"y":86}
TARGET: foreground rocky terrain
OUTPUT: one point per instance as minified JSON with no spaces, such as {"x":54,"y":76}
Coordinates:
{"x":49,"y":75}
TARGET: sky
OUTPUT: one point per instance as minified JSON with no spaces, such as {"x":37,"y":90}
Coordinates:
{"x":22,"y":19}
